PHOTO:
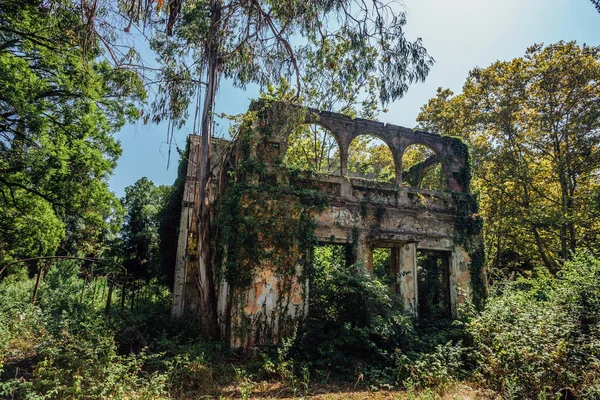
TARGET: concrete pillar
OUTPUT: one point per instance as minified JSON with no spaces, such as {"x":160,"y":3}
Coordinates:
{"x":185,"y":223}
{"x":364,"y":254}
{"x":181,"y":263}
{"x":343,"y":159}
{"x":408,"y":276}
{"x":460,"y":276}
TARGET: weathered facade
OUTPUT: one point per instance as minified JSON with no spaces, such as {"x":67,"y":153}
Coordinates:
{"x":355,"y":212}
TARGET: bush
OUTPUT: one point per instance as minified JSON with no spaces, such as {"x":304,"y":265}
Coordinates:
{"x":64,"y":347}
{"x":357,"y":329}
{"x":353,"y":321}
{"x":543,"y":334}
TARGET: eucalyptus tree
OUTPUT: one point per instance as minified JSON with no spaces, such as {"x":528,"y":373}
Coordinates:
{"x":342,"y":52}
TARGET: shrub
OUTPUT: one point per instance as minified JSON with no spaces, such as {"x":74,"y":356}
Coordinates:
{"x":353,"y":321}
{"x":543,"y":334}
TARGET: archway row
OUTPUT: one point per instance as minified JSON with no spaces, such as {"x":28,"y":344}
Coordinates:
{"x":315,"y":148}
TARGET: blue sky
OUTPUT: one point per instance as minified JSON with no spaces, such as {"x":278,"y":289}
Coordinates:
{"x":459,"y":34}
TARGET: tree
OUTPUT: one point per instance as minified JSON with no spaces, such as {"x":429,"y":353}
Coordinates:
{"x":362,"y":47}
{"x":534,"y":126}
{"x":59,"y":107}
{"x":142,"y":203}
{"x":139,"y":237}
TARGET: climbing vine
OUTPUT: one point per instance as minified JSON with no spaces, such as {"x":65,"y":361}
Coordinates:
{"x":265,"y":217}
{"x":468,"y":225}
{"x":460,"y":148}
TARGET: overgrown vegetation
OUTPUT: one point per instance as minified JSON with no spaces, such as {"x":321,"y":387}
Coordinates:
{"x":84,"y":277}
{"x":533,"y":129}
{"x":535,"y":337}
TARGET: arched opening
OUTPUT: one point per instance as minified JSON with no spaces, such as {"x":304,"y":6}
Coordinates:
{"x":312,"y":147}
{"x":421,"y":168}
{"x":370,"y":158}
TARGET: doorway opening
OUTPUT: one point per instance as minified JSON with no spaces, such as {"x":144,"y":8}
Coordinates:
{"x":433,"y":282}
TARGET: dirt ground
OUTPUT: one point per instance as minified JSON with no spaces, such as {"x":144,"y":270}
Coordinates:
{"x":333,"y":392}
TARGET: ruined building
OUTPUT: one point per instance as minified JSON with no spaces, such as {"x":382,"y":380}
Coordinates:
{"x":267,"y":218}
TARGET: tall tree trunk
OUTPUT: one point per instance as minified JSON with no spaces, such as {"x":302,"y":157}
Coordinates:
{"x":124,"y":283}
{"x":206,"y":284}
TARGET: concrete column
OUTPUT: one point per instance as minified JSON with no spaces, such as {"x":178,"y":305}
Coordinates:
{"x":460,"y":278}
{"x":408,"y":276}
{"x":185,"y":222}
{"x":181,"y":264}
{"x":363,"y":253}
{"x":343,"y":160}
{"x":398,"y":152}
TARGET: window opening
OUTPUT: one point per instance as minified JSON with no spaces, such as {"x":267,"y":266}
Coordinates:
{"x":370,"y":158}
{"x":421,"y":168}
{"x":314,"y":148}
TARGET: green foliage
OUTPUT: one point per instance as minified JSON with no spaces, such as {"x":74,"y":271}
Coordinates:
{"x":542,"y":334}
{"x":59,"y":108}
{"x":443,"y":365}
{"x":533,"y":126}
{"x":356,"y":328}
{"x":143,"y":202}
{"x":65,"y":347}
{"x":353,"y":320}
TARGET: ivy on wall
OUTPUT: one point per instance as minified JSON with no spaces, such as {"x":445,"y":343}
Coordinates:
{"x":468,"y":227}
{"x":265,"y":219}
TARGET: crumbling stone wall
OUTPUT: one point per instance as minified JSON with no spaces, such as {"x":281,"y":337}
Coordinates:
{"x":273,"y":298}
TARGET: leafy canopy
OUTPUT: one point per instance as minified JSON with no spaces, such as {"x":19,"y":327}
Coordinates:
{"x":340,"y":53}
{"x":59,"y":107}
{"x":533,"y":125}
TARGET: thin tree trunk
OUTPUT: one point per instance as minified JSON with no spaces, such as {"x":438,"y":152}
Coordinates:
{"x":108,"y":299}
{"x":550,"y":264}
{"x":38,"y":282}
{"x":206,"y":285}
{"x":83,"y":289}
{"x":133,"y":286}
{"x":94,"y":288}
{"x":565,"y":212}
{"x":103,"y":289}
{"x":570,"y":224}
{"x":123,"y":292}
